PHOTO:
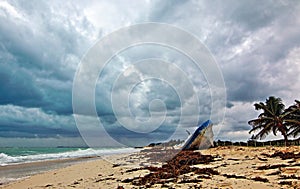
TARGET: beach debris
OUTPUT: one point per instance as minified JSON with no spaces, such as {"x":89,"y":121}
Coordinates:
{"x":290,"y":177}
{"x":292,"y":161}
{"x":285,"y":182}
{"x":116,"y":165}
{"x":133,"y":170}
{"x":265,"y":167}
{"x":274,"y":173}
{"x":260,"y":179}
{"x":190,"y":181}
{"x":262,"y":159}
{"x":234,"y":176}
{"x":286,"y":155}
{"x":201,"y":139}
{"x":283,"y":155}
{"x":180,"y":164}
{"x":129,"y":180}
{"x":224,"y":184}
{"x":233,"y":159}
{"x":104,"y":179}
{"x":291,"y":170}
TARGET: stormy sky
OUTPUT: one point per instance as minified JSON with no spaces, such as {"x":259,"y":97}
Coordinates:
{"x":256,"y":45}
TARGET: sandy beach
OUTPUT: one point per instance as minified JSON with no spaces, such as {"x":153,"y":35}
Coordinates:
{"x":220,"y":167}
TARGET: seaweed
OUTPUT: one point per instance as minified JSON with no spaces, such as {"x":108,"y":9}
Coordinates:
{"x":260,"y":179}
{"x":180,"y":164}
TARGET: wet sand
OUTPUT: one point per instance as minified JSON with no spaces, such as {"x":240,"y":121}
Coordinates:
{"x":19,"y":171}
{"x":221,"y":167}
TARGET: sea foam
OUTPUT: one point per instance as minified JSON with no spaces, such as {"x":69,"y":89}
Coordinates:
{"x":7,"y":159}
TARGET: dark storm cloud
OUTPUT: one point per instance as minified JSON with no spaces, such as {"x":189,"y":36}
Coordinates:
{"x":245,"y":83}
{"x":247,"y":38}
{"x":262,"y":37}
{"x":130,"y":138}
{"x":21,"y":130}
{"x":40,"y":53}
{"x":18,"y":87}
{"x":33,"y":122}
{"x":256,"y":44}
{"x":249,"y":14}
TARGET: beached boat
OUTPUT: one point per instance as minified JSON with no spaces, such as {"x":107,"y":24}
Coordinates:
{"x":202,"y":138}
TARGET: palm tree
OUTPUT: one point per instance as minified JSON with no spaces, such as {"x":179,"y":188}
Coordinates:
{"x":294,"y":119}
{"x":271,"y":119}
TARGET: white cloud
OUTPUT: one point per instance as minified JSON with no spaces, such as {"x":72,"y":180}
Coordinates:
{"x":8,"y":10}
{"x":11,"y":115}
{"x":235,"y":125}
{"x":109,"y":16}
{"x":41,"y":142}
{"x":256,"y":44}
{"x":286,"y":76}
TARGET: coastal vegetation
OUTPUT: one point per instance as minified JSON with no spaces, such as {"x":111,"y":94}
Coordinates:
{"x":276,"y":118}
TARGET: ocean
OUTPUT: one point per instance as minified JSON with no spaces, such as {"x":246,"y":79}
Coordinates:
{"x":16,"y":155}
{"x":16,"y":163}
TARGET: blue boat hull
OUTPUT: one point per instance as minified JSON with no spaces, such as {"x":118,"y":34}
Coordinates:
{"x":201,"y":138}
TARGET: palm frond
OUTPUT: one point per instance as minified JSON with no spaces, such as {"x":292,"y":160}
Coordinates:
{"x":271,"y":119}
{"x":295,"y":132}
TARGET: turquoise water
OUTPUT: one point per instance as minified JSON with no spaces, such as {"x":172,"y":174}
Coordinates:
{"x":16,"y":151}
{"x":23,"y":155}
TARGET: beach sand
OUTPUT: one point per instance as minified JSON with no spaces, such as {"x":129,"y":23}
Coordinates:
{"x":228,"y":167}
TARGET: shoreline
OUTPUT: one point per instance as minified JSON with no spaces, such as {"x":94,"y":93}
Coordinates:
{"x":39,"y":163}
{"x":18,"y":171}
{"x":72,"y":173}
{"x":234,"y":167}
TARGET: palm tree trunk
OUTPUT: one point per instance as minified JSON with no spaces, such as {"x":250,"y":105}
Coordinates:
{"x":285,"y":139}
